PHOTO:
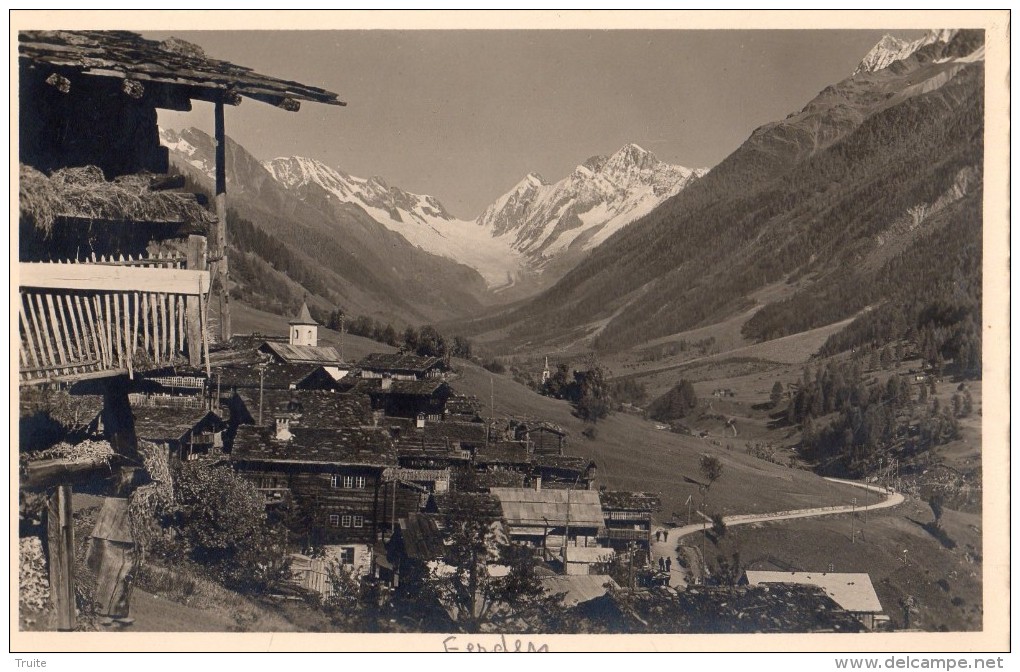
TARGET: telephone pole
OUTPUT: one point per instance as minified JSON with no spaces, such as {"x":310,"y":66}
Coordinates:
{"x":853,"y":514}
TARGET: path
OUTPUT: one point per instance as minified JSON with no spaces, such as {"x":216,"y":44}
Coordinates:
{"x":667,"y":548}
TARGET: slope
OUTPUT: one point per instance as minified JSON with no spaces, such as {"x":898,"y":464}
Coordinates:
{"x":812,"y":198}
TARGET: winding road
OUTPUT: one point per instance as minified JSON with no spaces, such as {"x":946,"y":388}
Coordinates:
{"x":666,"y":548}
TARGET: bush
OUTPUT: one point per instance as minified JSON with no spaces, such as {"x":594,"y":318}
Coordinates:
{"x":590,"y":433}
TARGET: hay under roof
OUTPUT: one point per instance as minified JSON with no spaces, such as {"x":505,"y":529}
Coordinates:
{"x":84,"y":193}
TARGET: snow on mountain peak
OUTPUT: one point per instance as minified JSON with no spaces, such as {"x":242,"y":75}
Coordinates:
{"x":891,"y":49}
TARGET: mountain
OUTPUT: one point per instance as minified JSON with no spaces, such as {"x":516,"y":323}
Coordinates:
{"x":527,"y":238}
{"x":839,"y":208}
{"x":421,"y":220}
{"x":553,"y":225}
{"x":891,"y":49}
{"x":287,"y":242}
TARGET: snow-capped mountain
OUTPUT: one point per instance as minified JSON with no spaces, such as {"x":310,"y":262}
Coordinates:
{"x":600,"y":196}
{"x":421,"y":219}
{"x":522,"y":231}
{"x":891,"y":49}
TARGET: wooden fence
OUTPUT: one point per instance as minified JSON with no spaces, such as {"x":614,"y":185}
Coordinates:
{"x":101,"y":316}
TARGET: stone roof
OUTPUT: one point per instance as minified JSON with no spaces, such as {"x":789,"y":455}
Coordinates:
{"x":315,"y":445}
{"x":630,"y":501}
{"x":529,"y":507}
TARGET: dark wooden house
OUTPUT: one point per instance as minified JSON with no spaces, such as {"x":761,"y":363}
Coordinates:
{"x":544,"y":438}
{"x":186,"y":436}
{"x":564,"y":471}
{"x":401,"y":366}
{"x":114,"y":265}
{"x":628,"y":517}
{"x":420,"y":400}
{"x":334,"y":473}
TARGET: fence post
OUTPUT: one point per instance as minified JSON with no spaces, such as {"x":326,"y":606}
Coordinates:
{"x":60,"y":541}
{"x":197,"y":259}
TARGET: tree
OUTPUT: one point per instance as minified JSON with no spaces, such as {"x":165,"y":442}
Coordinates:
{"x":711,"y":469}
{"x":718,"y":525}
{"x":675,"y":404}
{"x":467,"y":592}
{"x":937,"y":501}
{"x":777,"y":394}
{"x":220,"y":518}
{"x":593,"y":400}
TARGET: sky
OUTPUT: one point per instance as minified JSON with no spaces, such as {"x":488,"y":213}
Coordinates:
{"x":464,"y":115}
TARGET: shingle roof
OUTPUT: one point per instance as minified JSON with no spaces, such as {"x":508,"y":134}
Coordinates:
{"x":399,"y":361}
{"x":422,"y":539}
{"x":330,"y":445}
{"x":304,"y":354}
{"x":564,"y":462}
{"x":125,"y":55}
{"x":275,"y":375}
{"x":465,"y":432}
{"x":413,"y":388}
{"x":481,"y":504}
{"x":157,"y":423}
{"x":499,"y":479}
{"x":303,"y":316}
{"x":504,"y":452}
{"x":852,"y":591}
{"x":528,"y":507}
{"x":578,"y":588}
{"x":630,"y":501}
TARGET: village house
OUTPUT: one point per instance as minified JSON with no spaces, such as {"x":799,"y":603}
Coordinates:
{"x":463,"y":408}
{"x":185,"y":434}
{"x":543,"y":438}
{"x":422,"y":401}
{"x":498,"y":456}
{"x":401,"y":366}
{"x":415,"y":543}
{"x":852,"y":591}
{"x":551,"y":520}
{"x":564,"y":471}
{"x":628,"y":518}
{"x":335,"y":473}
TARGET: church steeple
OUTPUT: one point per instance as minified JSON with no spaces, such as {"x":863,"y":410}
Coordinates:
{"x":303,"y":329}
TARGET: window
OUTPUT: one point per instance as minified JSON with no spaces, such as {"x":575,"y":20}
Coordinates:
{"x":359,"y":521}
{"x":347,"y":555}
{"x":359,"y":482}
{"x":346,"y":521}
{"x":334,"y":481}
{"x":348,"y":481}
{"x":334,"y":520}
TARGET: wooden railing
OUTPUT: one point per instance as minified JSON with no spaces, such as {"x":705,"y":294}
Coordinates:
{"x":97,"y":318}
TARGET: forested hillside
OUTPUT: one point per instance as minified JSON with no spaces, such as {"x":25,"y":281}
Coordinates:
{"x":852,"y":201}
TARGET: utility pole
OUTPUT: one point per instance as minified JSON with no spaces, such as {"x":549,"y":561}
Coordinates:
{"x":704,"y":528}
{"x":261,"y":380}
{"x":853,"y":514}
{"x":689,"y":499}
{"x":221,"y":226}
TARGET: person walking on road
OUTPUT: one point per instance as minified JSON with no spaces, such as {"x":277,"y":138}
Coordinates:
{"x":662,"y":565}
{"x":658,"y":536}
{"x":665,"y":535}
{"x":669,"y":564}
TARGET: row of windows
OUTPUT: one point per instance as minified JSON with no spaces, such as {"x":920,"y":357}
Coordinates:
{"x":336,"y":520}
{"x":337,"y":481}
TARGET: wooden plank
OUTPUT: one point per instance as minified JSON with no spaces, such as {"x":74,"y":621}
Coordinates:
{"x":40,"y":324}
{"x":60,"y":542}
{"x":103,"y":278}
{"x":117,"y":330}
{"x":90,"y":324}
{"x":144,"y":309}
{"x":29,"y":337}
{"x":134,"y":315}
{"x":197,"y":259}
{"x":56,"y":325}
{"x":204,"y":307}
{"x":69,"y":309}
{"x":43,"y":474}
{"x":157,"y":338}
{"x":172,"y":325}
{"x":107,"y":323}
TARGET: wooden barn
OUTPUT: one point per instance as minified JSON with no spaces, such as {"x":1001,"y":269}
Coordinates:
{"x":401,"y":366}
{"x":628,"y":517}
{"x":116,"y":273}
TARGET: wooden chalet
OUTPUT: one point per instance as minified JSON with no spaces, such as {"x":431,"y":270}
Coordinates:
{"x":544,"y":438}
{"x":401,"y":366}
{"x":503,"y":456}
{"x":415,"y":543}
{"x":336,"y":472}
{"x":551,"y":519}
{"x":185,"y":436}
{"x":628,"y":518}
{"x":463,"y":408}
{"x":420,"y":400}
{"x":115,"y":271}
{"x":458,"y":435}
{"x":852,"y":591}
{"x":564,"y":471}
